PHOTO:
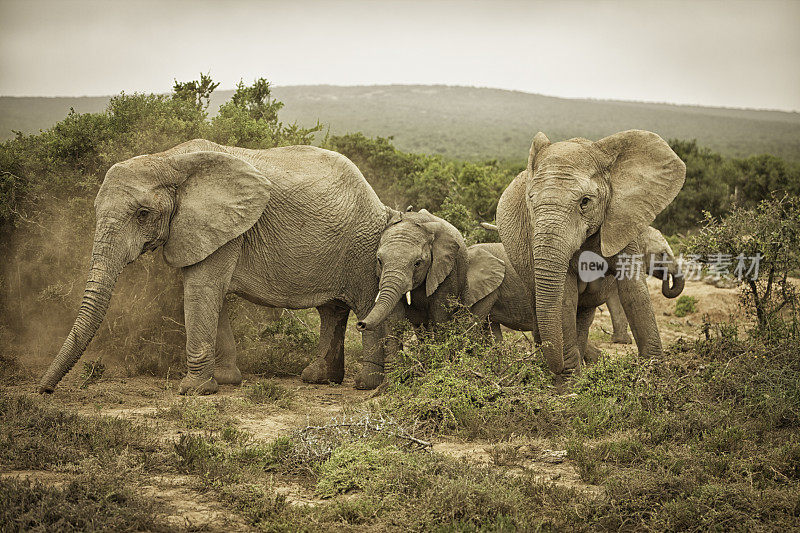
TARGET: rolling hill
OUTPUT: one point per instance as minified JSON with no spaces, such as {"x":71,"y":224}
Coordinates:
{"x":475,"y":123}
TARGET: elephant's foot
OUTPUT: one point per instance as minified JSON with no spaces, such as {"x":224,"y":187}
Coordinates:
{"x":592,"y":354}
{"x":370,"y":377}
{"x":227,"y":375}
{"x":198,"y":385}
{"x":319,"y":371}
{"x":563,"y":382}
{"x":621,"y":338}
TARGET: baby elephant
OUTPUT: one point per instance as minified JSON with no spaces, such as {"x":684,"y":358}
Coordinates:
{"x":422,"y":266}
{"x":659,"y":262}
{"x":496,"y":294}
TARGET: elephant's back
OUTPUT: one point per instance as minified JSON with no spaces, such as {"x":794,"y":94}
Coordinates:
{"x":310,"y":170}
{"x":319,"y":233}
{"x":320,"y":194}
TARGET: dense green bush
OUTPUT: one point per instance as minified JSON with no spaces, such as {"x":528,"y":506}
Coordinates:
{"x":716,"y":184}
{"x":458,"y":380}
{"x":761,"y":247}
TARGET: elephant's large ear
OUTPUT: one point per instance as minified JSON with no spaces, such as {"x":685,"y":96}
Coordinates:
{"x":540,"y":142}
{"x":219,"y":197}
{"x":484,"y":274}
{"x":447,"y":241}
{"x":645,"y":176}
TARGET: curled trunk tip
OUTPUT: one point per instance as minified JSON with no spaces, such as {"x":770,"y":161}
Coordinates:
{"x":674,"y":290}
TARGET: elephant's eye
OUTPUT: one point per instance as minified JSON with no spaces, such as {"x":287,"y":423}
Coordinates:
{"x":142,"y":214}
{"x":585,"y":201}
{"x":418,"y":262}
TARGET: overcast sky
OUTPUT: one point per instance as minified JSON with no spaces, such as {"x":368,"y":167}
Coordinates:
{"x":721,"y":53}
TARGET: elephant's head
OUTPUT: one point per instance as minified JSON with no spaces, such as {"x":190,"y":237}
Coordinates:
{"x":415,"y":249}
{"x":577,"y":188}
{"x":662,"y":264}
{"x":190,"y":203}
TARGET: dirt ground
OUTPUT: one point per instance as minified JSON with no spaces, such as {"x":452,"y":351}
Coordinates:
{"x":147,"y":399}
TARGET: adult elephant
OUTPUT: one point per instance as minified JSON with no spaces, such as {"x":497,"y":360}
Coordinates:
{"x":577,"y":196}
{"x":659,"y":261}
{"x":424,"y":258}
{"x":292,"y":227}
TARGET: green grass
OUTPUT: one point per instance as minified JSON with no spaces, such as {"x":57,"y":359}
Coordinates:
{"x":269,"y":392}
{"x":704,"y":437}
{"x":97,"y":502}
{"x":707,"y":434}
{"x":36,"y":435}
{"x":192,"y":412}
{"x":685,"y":305}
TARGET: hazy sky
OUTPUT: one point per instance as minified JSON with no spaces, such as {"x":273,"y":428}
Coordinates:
{"x":722,"y":53}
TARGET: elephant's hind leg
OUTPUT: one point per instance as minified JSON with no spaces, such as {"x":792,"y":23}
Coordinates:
{"x":225,"y":371}
{"x":328,"y":366}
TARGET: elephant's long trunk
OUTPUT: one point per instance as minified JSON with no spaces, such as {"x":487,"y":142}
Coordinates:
{"x":392,"y":286}
{"x":103,"y":273}
{"x":550,"y":272}
{"x":678,"y":282}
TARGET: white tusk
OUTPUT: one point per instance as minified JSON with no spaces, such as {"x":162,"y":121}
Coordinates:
{"x":408,"y":297}
{"x":378,"y":296}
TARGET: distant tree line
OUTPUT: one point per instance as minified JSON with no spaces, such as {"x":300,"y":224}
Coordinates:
{"x":70,"y":159}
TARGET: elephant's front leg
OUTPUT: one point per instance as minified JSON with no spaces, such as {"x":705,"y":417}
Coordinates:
{"x":380,"y":350}
{"x":635,"y":300}
{"x":372,"y":365}
{"x":328,"y":366}
{"x":497,"y":333}
{"x":225,"y":370}
{"x":204,"y":287}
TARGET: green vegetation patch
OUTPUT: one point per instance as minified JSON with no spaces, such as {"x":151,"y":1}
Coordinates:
{"x":459,"y":380}
{"x":686,"y":305}
{"x":269,"y":392}
{"x":35,"y":435}
{"x":89,"y":503}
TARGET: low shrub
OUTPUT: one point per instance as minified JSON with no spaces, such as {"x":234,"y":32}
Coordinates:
{"x":269,"y":392}
{"x":685,"y":305}
{"x":458,"y":380}
{"x":89,"y":503}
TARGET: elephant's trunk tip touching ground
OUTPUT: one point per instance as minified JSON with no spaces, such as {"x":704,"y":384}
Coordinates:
{"x":99,"y":285}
